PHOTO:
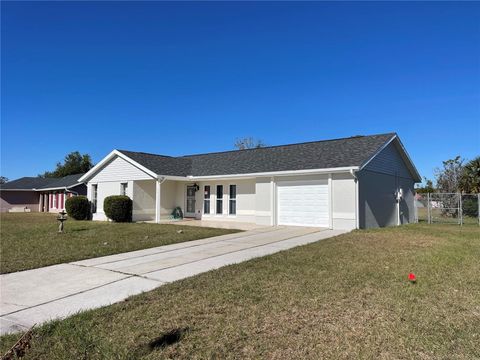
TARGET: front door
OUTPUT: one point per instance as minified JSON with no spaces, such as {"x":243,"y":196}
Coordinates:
{"x":190,"y":211}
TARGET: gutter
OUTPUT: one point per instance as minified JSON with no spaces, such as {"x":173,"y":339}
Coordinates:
{"x":324,"y":171}
{"x":58,"y":188}
{"x":71,"y":191}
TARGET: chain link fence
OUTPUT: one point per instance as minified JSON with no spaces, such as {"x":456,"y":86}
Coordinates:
{"x":448,"y":208}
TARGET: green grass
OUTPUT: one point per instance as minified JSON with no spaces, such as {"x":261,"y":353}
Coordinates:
{"x":342,"y":298}
{"x":31,"y":240}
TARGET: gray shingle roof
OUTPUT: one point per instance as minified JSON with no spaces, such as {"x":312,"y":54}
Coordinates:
{"x":25,"y":183}
{"x":353,"y":151}
{"x":30,"y":183}
{"x":160,"y":164}
{"x":63,"y":182}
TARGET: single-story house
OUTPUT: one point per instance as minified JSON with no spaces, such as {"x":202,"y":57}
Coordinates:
{"x":348,"y":183}
{"x":36,"y":194}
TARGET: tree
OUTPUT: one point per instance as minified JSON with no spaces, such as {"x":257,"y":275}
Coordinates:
{"x":74,"y":163}
{"x":248,"y":143}
{"x":3,"y":179}
{"x":449,"y":177}
{"x":428,"y":188}
{"x":470,"y":179}
{"x":448,"y":181}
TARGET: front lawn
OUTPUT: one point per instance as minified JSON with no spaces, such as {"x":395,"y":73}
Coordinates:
{"x":342,"y":298}
{"x":31,"y":240}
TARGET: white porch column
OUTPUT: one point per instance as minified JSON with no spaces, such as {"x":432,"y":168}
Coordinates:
{"x":40,"y":203}
{"x":272,"y":202}
{"x":330,"y":201}
{"x":158,"y":189}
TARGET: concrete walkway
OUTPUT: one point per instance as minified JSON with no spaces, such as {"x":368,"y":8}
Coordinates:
{"x":38,"y":295}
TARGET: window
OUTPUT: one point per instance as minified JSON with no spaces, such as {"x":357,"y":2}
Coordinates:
{"x":206,"y":199}
{"x":94,"y":198}
{"x":232,"y":206}
{"x":123,"y":188}
{"x":54,"y":197}
{"x":219,"y":199}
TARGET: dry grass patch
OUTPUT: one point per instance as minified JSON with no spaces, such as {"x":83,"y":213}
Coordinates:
{"x":341,"y":298}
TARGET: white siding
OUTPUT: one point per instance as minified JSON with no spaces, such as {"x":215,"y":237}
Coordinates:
{"x":168,"y":200}
{"x":105,"y":189}
{"x":119,"y":170}
{"x":343,"y":201}
{"x":245,"y":200}
{"x":263,"y":201}
{"x":143,"y":200}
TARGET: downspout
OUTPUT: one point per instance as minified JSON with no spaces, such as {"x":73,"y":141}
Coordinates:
{"x":355,"y":177}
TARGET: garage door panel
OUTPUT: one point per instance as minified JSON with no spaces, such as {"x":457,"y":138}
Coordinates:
{"x":303,"y":204}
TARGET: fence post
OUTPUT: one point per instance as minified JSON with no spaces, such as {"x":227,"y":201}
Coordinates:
{"x":460,"y":209}
{"x":428,"y":209}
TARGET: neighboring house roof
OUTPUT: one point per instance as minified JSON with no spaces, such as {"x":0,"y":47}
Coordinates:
{"x":25,"y":183}
{"x":62,"y":183}
{"x":353,"y":152}
{"x":38,"y":183}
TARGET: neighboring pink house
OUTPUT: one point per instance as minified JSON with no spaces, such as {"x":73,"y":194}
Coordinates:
{"x":35,"y":194}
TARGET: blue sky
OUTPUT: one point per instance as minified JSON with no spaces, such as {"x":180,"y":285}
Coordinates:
{"x":183,"y":78}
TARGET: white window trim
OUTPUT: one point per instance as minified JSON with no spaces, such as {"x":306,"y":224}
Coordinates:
{"x":223,"y":200}
{"x":54,"y":200}
{"x":124,"y":188}
{"x":236,"y":197}
{"x":94,"y":195}
{"x":209,"y":199}
{"x":186,"y":200}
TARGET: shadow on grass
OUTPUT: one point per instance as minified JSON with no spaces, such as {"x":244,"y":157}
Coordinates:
{"x":166,"y":339}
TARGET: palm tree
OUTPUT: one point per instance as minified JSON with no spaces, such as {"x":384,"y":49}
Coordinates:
{"x":470,"y":180}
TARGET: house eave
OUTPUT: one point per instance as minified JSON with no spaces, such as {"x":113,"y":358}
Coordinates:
{"x":275,"y":173}
{"x":58,"y":187}
{"x":17,"y":189}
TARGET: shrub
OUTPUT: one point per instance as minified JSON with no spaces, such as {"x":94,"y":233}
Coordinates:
{"x":78,"y":207}
{"x":118,"y":208}
{"x":470,"y":207}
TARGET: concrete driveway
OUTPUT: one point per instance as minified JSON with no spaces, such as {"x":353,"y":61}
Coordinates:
{"x":35,"y":296}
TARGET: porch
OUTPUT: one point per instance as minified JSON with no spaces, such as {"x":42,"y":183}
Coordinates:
{"x":220,"y":204}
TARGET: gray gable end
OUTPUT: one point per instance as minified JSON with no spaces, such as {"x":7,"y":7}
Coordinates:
{"x":389,"y":161}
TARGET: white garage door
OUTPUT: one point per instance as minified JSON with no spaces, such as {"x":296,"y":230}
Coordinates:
{"x":303,"y":203}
